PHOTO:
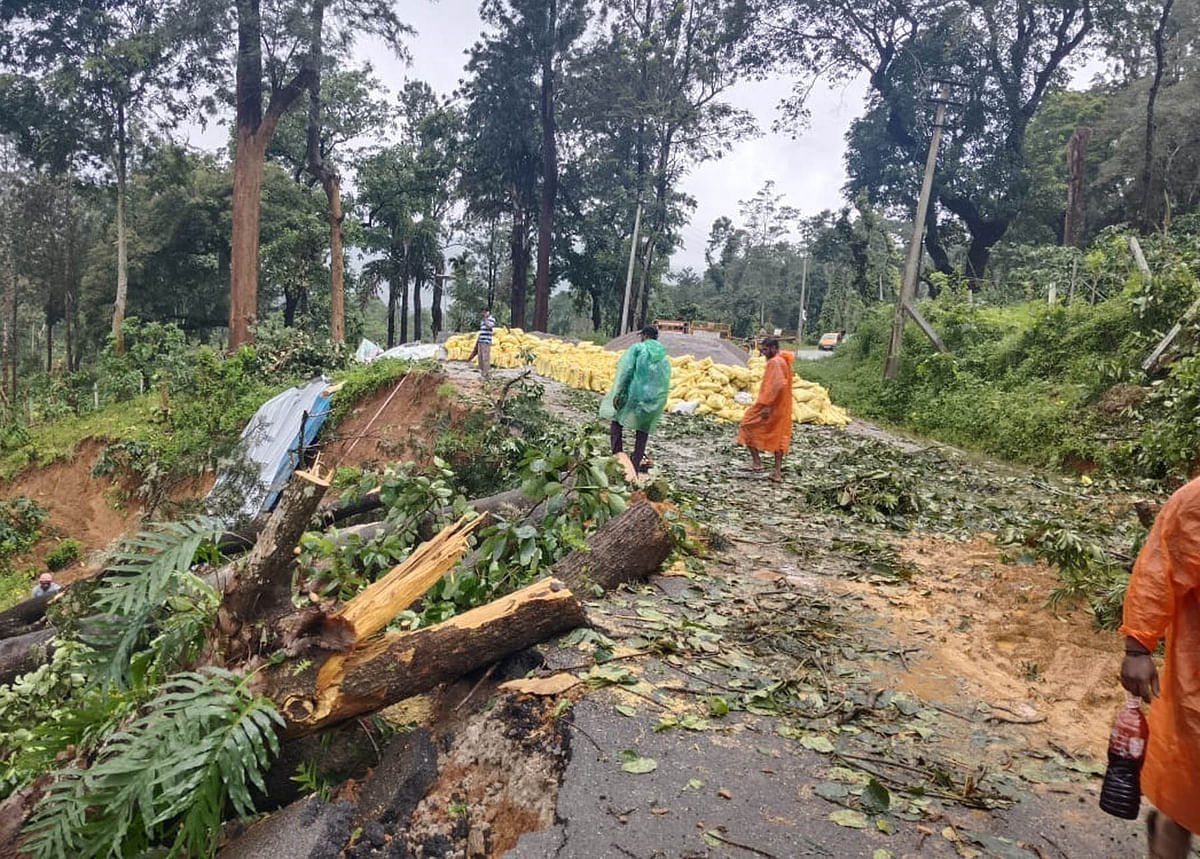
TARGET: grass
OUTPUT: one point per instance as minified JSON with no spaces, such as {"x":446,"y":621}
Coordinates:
{"x":55,"y":440}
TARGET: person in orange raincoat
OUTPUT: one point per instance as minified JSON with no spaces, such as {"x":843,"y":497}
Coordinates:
{"x":767,"y":425}
{"x":1163,"y":601}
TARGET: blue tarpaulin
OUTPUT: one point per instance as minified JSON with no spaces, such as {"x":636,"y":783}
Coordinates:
{"x":269,"y":451}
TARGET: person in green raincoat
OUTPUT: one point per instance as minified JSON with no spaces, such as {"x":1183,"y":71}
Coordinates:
{"x":638,"y":394}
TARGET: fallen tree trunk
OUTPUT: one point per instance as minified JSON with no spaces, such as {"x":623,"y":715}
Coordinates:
{"x":626,"y":548}
{"x":512,"y":503}
{"x":381,"y":671}
{"x":397,"y":666}
{"x":24,"y":617}
{"x":24,"y":653}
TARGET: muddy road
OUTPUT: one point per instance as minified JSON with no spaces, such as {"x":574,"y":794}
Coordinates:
{"x":870,"y":678}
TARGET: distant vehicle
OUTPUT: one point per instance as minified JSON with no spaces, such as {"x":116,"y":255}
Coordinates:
{"x":828,"y":341}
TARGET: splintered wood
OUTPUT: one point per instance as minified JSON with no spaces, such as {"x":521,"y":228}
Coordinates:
{"x":404,"y":584}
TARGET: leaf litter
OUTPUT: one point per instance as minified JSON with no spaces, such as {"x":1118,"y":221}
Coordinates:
{"x":792,"y":615}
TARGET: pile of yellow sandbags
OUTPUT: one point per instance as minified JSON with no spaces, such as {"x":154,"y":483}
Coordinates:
{"x":714,"y":388}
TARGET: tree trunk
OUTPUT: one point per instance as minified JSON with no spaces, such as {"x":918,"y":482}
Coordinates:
{"x":262,"y":589}
{"x":290,"y":301}
{"x":520,"y":267}
{"x":122,"y":237}
{"x":1149,"y":201}
{"x":435,"y":310}
{"x":327,"y":176}
{"x":1073,"y":225}
{"x":337,"y":291}
{"x":417,"y":308}
{"x":255,"y":128}
{"x":403,"y":664}
{"x":377,"y":672}
{"x":541,"y":291}
{"x":627,"y":548}
{"x":24,"y":617}
{"x":24,"y":653}
{"x":404,"y":305}
{"x":248,"y":162}
{"x":49,"y":344}
{"x":391,"y":312}
{"x":9,"y":314}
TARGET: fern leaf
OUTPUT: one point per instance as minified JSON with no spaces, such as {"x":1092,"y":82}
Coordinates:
{"x":166,"y":777}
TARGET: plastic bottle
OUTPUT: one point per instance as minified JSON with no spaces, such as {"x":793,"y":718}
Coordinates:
{"x":1121,"y":795}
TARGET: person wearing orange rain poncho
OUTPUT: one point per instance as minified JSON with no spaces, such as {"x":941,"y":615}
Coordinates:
{"x":767,"y":425}
{"x":1163,"y":601}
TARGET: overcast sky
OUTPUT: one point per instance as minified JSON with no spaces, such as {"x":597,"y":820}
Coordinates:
{"x":807,"y":170}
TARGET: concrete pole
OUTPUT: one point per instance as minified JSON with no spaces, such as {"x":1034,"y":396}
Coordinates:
{"x":803,"y":301}
{"x":637,"y":221}
{"x":908,"y":287}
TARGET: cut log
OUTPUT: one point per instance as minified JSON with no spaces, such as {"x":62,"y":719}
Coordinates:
{"x":262,"y":587}
{"x":400,"y":665}
{"x":384,"y":670}
{"x":24,"y":653}
{"x":626,"y":548}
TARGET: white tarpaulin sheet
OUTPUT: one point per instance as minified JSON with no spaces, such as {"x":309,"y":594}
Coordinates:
{"x":269,"y":450}
{"x":368,"y":352}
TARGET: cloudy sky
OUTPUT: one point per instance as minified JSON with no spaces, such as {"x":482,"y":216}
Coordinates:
{"x":807,"y":168}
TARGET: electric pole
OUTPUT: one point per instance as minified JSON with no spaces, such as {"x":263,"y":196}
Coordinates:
{"x":908,"y":287}
{"x":803,"y":301}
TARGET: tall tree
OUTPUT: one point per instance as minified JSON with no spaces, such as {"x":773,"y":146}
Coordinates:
{"x":501,"y":161}
{"x":1149,"y":195}
{"x":289,"y":34}
{"x":1003,"y":58}
{"x":342,"y":111}
{"x":104,"y":66}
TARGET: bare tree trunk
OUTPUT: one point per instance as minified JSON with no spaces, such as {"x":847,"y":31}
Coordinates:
{"x":404,"y":304}
{"x":391,"y":311}
{"x":1073,"y":226}
{"x":337,"y":292}
{"x":541,"y":291}
{"x":417,"y":308}
{"x":122,"y":237}
{"x":520,"y":267}
{"x":328,"y":178}
{"x":1149,"y":199}
{"x":435,"y":311}
{"x":248,"y":162}
{"x":8,"y":330}
{"x":254,"y":132}
{"x":262,"y":590}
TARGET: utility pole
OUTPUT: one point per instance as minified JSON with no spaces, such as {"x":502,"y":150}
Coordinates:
{"x":637,"y":221}
{"x":908,"y":287}
{"x":803,"y":301}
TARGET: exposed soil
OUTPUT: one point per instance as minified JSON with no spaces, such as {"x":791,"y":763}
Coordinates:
{"x":497,"y":780}
{"x":94,"y":510}
{"x":988,"y":636}
{"x":396,"y":423}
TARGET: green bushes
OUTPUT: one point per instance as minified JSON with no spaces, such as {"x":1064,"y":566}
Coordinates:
{"x":64,"y":554}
